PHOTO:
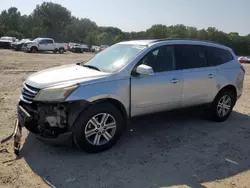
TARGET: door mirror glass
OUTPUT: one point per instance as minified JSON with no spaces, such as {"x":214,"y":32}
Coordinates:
{"x":144,"y":70}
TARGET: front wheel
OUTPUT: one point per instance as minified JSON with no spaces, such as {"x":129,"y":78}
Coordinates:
{"x":222,"y":105}
{"x":33,"y":49}
{"x":98,"y":128}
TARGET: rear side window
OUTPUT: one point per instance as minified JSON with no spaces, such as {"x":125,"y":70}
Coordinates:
{"x":190,"y":56}
{"x":49,"y":41}
{"x":218,"y":56}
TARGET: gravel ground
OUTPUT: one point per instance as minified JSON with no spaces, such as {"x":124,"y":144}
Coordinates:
{"x":171,"y":149}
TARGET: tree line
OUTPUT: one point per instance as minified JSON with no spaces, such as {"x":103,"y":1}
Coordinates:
{"x":53,"y":20}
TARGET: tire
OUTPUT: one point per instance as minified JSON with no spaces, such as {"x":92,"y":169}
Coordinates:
{"x":83,"y":126}
{"x":216,"y":114}
{"x":33,"y":49}
{"x":55,"y":51}
{"x":61,"y":51}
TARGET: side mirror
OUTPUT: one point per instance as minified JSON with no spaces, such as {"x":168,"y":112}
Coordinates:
{"x":144,"y":70}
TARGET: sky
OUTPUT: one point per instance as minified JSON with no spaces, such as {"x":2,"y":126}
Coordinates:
{"x":138,"y":15}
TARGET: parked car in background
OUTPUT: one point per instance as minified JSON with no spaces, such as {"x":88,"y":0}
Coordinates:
{"x":103,"y":47}
{"x":5,"y":42}
{"x":94,"y":48}
{"x":45,"y":44}
{"x":71,"y":44}
{"x":79,"y":48}
{"x":18,"y":45}
{"x":90,"y":102}
{"x":243,"y":59}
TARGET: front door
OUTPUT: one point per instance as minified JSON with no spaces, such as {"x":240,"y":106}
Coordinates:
{"x":42,"y":45}
{"x":160,"y":91}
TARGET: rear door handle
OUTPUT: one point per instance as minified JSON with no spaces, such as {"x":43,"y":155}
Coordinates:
{"x":211,"y":76}
{"x":174,"y":81}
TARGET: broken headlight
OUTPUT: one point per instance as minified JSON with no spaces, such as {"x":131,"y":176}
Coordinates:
{"x":56,"y":94}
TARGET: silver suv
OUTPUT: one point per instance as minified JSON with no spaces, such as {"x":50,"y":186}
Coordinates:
{"x":90,"y":102}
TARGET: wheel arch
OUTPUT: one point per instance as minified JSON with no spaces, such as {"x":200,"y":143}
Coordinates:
{"x":34,"y":47}
{"x":114,"y":102}
{"x":83,"y":105}
{"x":228,"y":87}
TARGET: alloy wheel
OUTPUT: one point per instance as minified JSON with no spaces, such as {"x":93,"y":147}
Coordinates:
{"x":100,"y":129}
{"x":224,"y":105}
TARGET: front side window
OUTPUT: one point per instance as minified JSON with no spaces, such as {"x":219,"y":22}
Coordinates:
{"x":217,"y":56}
{"x":190,"y":56}
{"x":115,"y":57}
{"x":42,"y":42}
{"x":160,"y":59}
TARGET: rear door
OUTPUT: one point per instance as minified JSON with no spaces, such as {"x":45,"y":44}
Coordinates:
{"x":199,"y":79}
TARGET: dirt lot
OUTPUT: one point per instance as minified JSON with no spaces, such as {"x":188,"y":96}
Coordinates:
{"x":177,"y":149}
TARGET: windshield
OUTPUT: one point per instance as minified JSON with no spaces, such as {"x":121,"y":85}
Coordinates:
{"x":24,"y":40}
{"x":37,"y":39}
{"x":115,"y":57}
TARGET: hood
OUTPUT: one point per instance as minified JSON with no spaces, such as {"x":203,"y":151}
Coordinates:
{"x":30,"y":42}
{"x":20,"y":42}
{"x":16,"y":43}
{"x":67,"y":74}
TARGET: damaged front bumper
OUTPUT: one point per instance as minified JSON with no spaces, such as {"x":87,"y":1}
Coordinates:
{"x":52,"y":123}
{"x":34,"y":120}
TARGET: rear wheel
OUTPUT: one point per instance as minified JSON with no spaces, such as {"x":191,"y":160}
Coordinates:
{"x":98,"y":128}
{"x":61,"y":50}
{"x":222,"y":105}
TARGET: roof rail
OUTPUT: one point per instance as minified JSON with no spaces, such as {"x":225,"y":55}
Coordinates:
{"x":169,"y":39}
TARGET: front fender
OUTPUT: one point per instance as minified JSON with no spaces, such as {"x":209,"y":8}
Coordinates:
{"x":115,"y":89}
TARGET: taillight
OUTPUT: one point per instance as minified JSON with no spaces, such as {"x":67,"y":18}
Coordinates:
{"x":242,"y":60}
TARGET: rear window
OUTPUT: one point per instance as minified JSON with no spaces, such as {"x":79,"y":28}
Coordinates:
{"x":218,"y":56}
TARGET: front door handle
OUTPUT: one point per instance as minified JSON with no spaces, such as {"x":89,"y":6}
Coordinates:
{"x":211,"y":76}
{"x":174,"y":81}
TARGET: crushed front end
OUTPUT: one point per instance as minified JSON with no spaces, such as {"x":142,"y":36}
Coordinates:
{"x":47,"y":120}
{"x":52,"y":121}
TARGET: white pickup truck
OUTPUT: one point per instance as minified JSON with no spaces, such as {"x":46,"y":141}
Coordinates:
{"x":44,"y":44}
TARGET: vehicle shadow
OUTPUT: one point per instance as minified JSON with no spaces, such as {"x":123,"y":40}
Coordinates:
{"x":166,"y":149}
{"x":43,"y":52}
{"x":49,"y":52}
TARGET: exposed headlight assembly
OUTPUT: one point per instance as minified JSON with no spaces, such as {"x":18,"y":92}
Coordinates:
{"x":55,"y":94}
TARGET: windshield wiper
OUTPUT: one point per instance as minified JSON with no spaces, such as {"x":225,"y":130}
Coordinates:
{"x":91,"y":67}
